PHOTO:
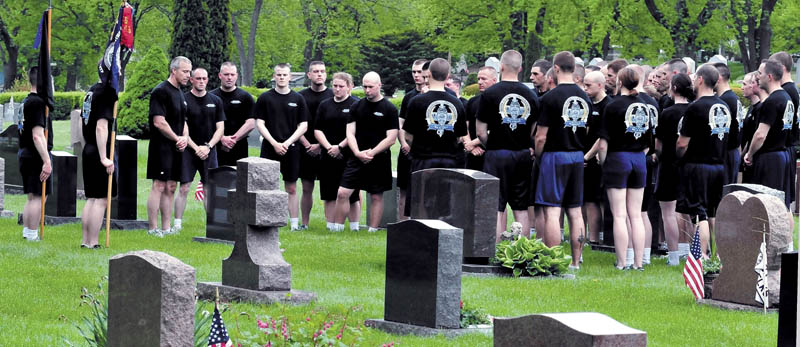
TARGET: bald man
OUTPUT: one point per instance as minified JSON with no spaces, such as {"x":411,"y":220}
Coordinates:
{"x":487,"y":77}
{"x":594,"y":85}
{"x":371,"y":131}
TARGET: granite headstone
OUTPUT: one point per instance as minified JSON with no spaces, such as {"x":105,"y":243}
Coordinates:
{"x":3,"y":211}
{"x":150,"y":300}
{"x":76,"y":141}
{"x":576,"y":329}
{"x":123,"y":206}
{"x":753,"y":189}
{"x":62,"y":202}
{"x":218,"y":225}
{"x":9,"y":146}
{"x":390,"y":211}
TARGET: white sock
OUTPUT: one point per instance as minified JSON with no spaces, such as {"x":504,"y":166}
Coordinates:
{"x":372,"y":230}
{"x":646,"y":256}
{"x":293,"y":222}
{"x":354,"y":226}
{"x":791,"y":247}
{"x":683,"y":249}
{"x":329,"y":225}
{"x":338,"y":227}
{"x":34,"y":233}
{"x":673,"y":258}
{"x":25,"y":232}
{"x":629,"y":257}
{"x":533,"y":231}
{"x":178,"y":223}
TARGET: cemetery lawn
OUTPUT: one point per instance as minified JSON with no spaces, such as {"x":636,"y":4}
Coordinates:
{"x":42,"y":284}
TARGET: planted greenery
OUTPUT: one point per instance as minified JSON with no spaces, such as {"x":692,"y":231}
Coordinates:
{"x":711,"y":265}
{"x":532,"y":257}
{"x":472,"y":316}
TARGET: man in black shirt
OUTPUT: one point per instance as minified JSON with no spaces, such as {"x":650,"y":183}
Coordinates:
{"x":310,"y":158}
{"x":403,"y":156}
{"x":281,"y":118}
{"x":538,"y":76}
{"x":793,"y":139}
{"x":594,"y":85}
{"x":238,"y":108}
{"x":205,"y":118}
{"x":505,"y":119}
{"x":169,"y":136}
{"x":371,"y":132}
{"x":732,"y":157}
{"x":34,"y":157}
{"x":560,"y":141}
{"x":701,"y":147}
{"x":487,"y":77}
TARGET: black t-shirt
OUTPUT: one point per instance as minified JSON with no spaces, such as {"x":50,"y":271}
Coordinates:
{"x":373,"y":120}
{"x":281,"y":113}
{"x":203,"y":114}
{"x":750,"y":124}
{"x":565,"y":111}
{"x":667,"y":131}
{"x":509,"y":109}
{"x":626,"y":124}
{"x":436,"y":119}
{"x":735,"y":106}
{"x":98,"y":103}
{"x":332,"y":118}
{"x":472,"y":110}
{"x":794,"y":138}
{"x":406,"y":99}
{"x":707,"y":122}
{"x":777,"y":111}
{"x":665,"y":101}
{"x":594,"y":123}
{"x":166,"y":100}
{"x":313,"y":99}
{"x":33,"y":115}
{"x":238,"y":108}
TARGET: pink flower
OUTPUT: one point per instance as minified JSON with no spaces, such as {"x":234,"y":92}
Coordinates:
{"x":339,"y":336}
{"x":461,"y":304}
{"x":269,"y":344}
{"x":263,"y":325}
{"x":308,"y":319}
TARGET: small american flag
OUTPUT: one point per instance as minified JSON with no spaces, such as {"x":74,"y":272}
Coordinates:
{"x":218,"y":337}
{"x":199,"y":193}
{"x":762,"y":287}
{"x":693,"y":271}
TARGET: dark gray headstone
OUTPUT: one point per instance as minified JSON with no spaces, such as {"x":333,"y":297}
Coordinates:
{"x":390,"y":211}
{"x":576,"y":329}
{"x":220,"y":180}
{"x":123,"y":206}
{"x":9,"y":146}
{"x":787,"y":314}
{"x":62,"y":203}
{"x":463,"y":198}
{"x":423,"y":273}
{"x":150,"y":300}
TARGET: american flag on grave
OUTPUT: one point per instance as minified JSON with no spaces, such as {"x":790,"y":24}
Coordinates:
{"x":693,"y":270}
{"x":218,"y":337}
{"x":762,"y":291}
{"x":199,"y":193}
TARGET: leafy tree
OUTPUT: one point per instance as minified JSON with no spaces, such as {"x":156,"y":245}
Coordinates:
{"x":134,"y":104}
{"x":391,"y":56}
{"x":786,"y":33}
{"x":753,"y":30}
{"x":201,"y":34}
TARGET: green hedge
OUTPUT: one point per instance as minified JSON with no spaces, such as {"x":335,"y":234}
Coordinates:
{"x":65,"y":102}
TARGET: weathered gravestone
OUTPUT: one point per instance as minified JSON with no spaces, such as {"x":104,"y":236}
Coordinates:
{"x":3,"y":211}
{"x":76,"y":141}
{"x":123,"y":206}
{"x":787,"y":313}
{"x":576,"y":329}
{"x":423,"y":278}
{"x":753,"y":189}
{"x":150,"y":300}
{"x":62,"y":202}
{"x":9,"y":146}
{"x":464,"y":199}
{"x":797,"y":73}
{"x":219,"y":227}
{"x":256,"y":270}
{"x":742,"y":219}
{"x":390,"y":211}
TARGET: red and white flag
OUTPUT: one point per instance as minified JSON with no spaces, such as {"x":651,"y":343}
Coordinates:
{"x":693,"y":271}
{"x":199,"y":193}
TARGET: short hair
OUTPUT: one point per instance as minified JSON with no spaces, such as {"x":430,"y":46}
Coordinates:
{"x":749,"y":75}
{"x":196,"y":69}
{"x":176,"y":62}
{"x":543,"y":65}
{"x":629,"y":79}
{"x":617,"y":65}
{"x":455,"y":79}
{"x":709,"y":74}
{"x":439,"y":68}
{"x":774,"y":68}
{"x":682,"y":85}
{"x":592,"y":68}
{"x":426,"y":65}
{"x":344,"y":76}
{"x":784,"y":58}
{"x":579,"y":72}
{"x":315,"y":62}
{"x":678,"y":65}
{"x":33,"y":75}
{"x":283,"y":66}
{"x":565,"y":61}
{"x":551,"y":73}
{"x":227,"y":64}
{"x":512,"y":59}
{"x":488,"y":68}
{"x":724,"y":71}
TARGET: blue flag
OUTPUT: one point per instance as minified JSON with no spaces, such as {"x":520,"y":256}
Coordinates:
{"x":108,"y":68}
{"x":44,"y":80}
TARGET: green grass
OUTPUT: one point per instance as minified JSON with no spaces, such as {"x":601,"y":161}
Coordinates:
{"x":43,"y":281}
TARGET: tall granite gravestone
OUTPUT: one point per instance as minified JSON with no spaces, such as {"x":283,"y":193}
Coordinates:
{"x":787,"y":313}
{"x":62,"y":203}
{"x":123,"y":206}
{"x":797,"y":73}
{"x":256,"y":270}
{"x":218,"y":223}
{"x":576,"y":329}
{"x":9,"y":146}
{"x":390,"y":198}
{"x":464,"y":199}
{"x":150,"y":300}
{"x":742,"y":219}
{"x":423,"y":277}
{"x":3,"y":211}
{"x":76,"y":141}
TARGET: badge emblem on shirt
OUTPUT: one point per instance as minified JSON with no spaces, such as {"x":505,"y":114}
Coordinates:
{"x":719,"y":119}
{"x":788,"y":116}
{"x":680,"y":126}
{"x":637,"y":119}
{"x":347,"y":110}
{"x":291,"y":104}
{"x":652,"y":111}
{"x":379,"y":114}
{"x":87,"y":107}
{"x":235,"y":102}
{"x":441,"y":116}
{"x":515,"y":110}
{"x":575,"y":113}
{"x":211,"y":105}
{"x":740,"y":112}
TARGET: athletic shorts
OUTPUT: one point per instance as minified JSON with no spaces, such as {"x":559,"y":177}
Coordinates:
{"x":403,"y":170}
{"x":769,"y":169}
{"x":731,"y":163}
{"x":534,"y":180}
{"x":164,"y":162}
{"x":94,"y":174}
{"x":290,"y":161}
{"x":560,"y":181}
{"x":30,"y":167}
{"x":374,"y":177}
{"x":229,"y":158}
{"x":309,"y":166}
{"x":700,"y":190}
{"x":513,"y":168}
{"x":192,"y":164}
{"x":330,"y":178}
{"x":625,"y":170}
{"x":429,"y":163}
{"x":474,"y":162}
{"x":592,"y":182}
{"x":650,"y":183}
{"x":667,"y":181}
{"x":792,"y":171}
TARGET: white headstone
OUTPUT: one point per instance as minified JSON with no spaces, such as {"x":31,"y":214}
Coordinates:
{"x":718,"y":59}
{"x":797,"y":68}
{"x":690,"y":64}
{"x":595,"y":61}
{"x":495,"y":63}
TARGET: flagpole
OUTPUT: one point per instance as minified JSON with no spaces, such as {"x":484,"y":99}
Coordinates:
{"x":46,"y":118}
{"x":111,"y":175}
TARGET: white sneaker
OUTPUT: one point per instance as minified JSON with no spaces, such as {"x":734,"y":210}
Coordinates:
{"x":372,"y":230}
{"x":171,"y":231}
{"x":33,"y":237}
{"x":155,"y":232}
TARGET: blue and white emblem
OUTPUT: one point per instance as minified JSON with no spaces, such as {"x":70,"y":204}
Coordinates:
{"x":441,"y":116}
{"x":740,"y":112}
{"x":515,"y":110}
{"x":87,"y":107}
{"x":719,"y":120}
{"x":652,"y":111}
{"x":637,"y":119}
{"x":788,"y":116}
{"x":575,"y":113}
{"x":680,"y":126}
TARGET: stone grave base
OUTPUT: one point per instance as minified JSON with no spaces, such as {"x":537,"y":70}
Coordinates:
{"x":208,"y":291}
{"x":734,"y":306}
{"x":604,"y":248}
{"x":204,"y":239}
{"x":14,"y":189}
{"x":7,"y":214}
{"x":485,"y":269}
{"x":116,"y":224}
{"x":408,"y":329}
{"x":54,"y":220}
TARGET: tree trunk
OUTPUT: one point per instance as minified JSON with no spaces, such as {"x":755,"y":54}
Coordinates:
{"x":685,"y":30}
{"x":247,"y":58}
{"x":73,"y":73}
{"x":10,"y":67}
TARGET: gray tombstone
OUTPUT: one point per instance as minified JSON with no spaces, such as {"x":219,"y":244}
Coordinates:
{"x":123,"y":206}
{"x":462,"y":198}
{"x":3,"y":211}
{"x":150,"y":300}
{"x":576,"y":329}
{"x":753,"y":189}
{"x":390,"y":211}
{"x":76,"y":141}
{"x":9,"y":146}
{"x":495,"y":63}
{"x":62,"y":202}
{"x":218,"y":224}
{"x":797,"y":69}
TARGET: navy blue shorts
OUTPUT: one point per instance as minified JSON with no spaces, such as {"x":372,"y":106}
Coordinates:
{"x":513,"y":168}
{"x":290,"y":161}
{"x":192,"y":164}
{"x":330,"y":178}
{"x":650,"y":183}
{"x":731,"y":162}
{"x":374,"y":177}
{"x":792,"y":171}
{"x":769,"y":169}
{"x":700,"y":190}
{"x":560,"y":181}
{"x":625,"y":170}
{"x":592,"y":182}
{"x":667,"y":181}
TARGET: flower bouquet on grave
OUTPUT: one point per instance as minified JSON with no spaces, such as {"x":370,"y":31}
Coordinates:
{"x":532,"y":257}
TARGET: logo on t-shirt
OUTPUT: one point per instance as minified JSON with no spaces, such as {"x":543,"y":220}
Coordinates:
{"x":719,"y":119}
{"x":87,"y":107}
{"x":637,"y":119}
{"x":680,"y":126}
{"x":652,"y":111}
{"x":346,"y":110}
{"x":515,"y":110}
{"x":291,"y":104}
{"x":740,"y":112}
{"x":441,"y":116}
{"x":235,"y":102}
{"x":211,"y":105}
{"x":788,"y":116}
{"x":575,"y":113}
{"x":379,"y":114}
